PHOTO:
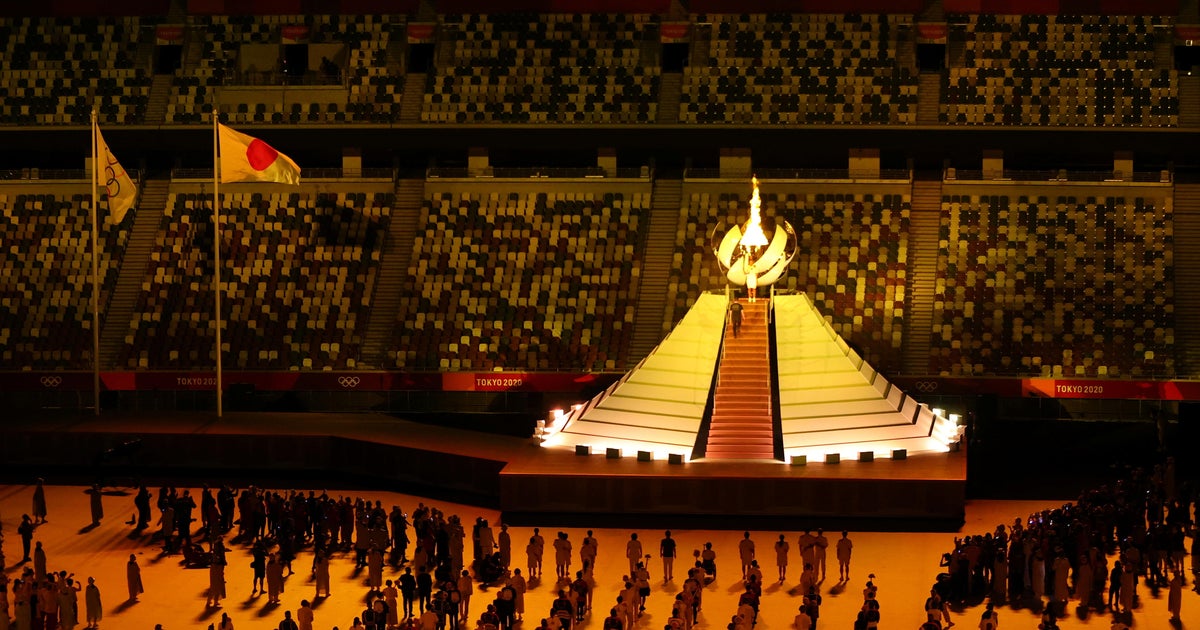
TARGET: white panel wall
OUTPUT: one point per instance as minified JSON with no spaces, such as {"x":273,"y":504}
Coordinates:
{"x":831,"y":401}
{"x":659,"y":406}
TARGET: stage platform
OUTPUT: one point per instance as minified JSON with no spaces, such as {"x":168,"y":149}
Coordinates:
{"x":925,"y":492}
{"x":529,"y":484}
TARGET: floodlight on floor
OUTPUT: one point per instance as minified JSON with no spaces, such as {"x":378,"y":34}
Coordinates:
{"x":866,"y":456}
{"x":900,"y":453}
{"x":799,"y":460}
{"x":833,"y":458}
{"x":612,"y":453}
{"x":583,"y":449}
{"x":644,"y":456}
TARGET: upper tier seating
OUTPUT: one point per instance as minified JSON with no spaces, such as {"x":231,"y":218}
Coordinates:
{"x":801,"y":69}
{"x":542,"y":281}
{"x":50,"y":68}
{"x":372,"y":93}
{"x":851,"y":260}
{"x":1074,"y":286}
{"x":570,"y":68}
{"x":299,"y":270}
{"x":1059,"y":70}
{"x":46,"y":279}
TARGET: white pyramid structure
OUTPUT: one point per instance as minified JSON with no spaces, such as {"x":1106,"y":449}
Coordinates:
{"x":657,"y":406}
{"x":830,"y":399}
{"x":833,"y":401}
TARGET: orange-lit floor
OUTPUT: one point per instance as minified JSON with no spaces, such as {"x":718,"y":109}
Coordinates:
{"x":904,"y":564}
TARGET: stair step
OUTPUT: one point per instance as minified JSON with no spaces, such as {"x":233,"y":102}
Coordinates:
{"x":742,"y":426}
{"x":757,"y":395}
{"x":743,"y":434}
{"x":742,"y":445}
{"x":648,"y":321}
{"x":722,"y":398}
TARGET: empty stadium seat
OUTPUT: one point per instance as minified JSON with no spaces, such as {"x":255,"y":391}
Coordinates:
{"x":1063,"y":286}
{"x":801,"y":69}
{"x":298,"y":273}
{"x":522,"y":281}
{"x":46,"y":278}
{"x":1090,"y":71}
{"x":555,"y":68}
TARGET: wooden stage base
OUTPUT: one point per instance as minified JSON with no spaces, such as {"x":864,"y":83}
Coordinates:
{"x":529,"y":484}
{"x":922,"y":492}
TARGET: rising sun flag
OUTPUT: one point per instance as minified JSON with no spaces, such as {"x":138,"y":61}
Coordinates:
{"x":247,"y":159}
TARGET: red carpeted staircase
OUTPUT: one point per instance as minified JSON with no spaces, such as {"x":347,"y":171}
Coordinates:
{"x":741,"y":426}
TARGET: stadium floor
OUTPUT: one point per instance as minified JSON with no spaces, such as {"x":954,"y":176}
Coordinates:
{"x":905,"y":564}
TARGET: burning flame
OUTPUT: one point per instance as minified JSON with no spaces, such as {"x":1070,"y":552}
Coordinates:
{"x":754,"y":236}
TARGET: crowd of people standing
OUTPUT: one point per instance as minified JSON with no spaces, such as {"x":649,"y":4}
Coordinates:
{"x":1052,"y":558}
{"x":1042,"y":562}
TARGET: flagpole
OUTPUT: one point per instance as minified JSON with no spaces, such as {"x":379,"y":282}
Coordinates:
{"x":95,"y":268}
{"x":217,"y":249}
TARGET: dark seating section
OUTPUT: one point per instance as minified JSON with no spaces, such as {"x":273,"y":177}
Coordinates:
{"x":50,"y":68}
{"x":46,"y":278}
{"x":369,"y":89}
{"x":1054,"y":286}
{"x":298,"y":273}
{"x":1096,"y":70}
{"x":801,"y":69}
{"x":851,"y":260}
{"x":555,"y":68}
{"x":763,"y":69}
{"x":544,"y":281}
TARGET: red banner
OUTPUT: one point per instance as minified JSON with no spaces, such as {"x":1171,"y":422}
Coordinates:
{"x":420,"y":33}
{"x":309,"y":381}
{"x":949,"y":386}
{"x":294,"y":34}
{"x":562,"y":382}
{"x":675,"y":32}
{"x":1089,"y":388}
{"x":272,"y":381}
{"x":1050,"y":388}
{"x":521,"y":381}
{"x":206,"y":7}
{"x":1062,"y":7}
{"x":168,"y":34}
{"x":1187,"y":34}
{"x":932,"y":33}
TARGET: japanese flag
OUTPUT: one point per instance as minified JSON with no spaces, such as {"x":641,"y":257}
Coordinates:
{"x":248,"y":159}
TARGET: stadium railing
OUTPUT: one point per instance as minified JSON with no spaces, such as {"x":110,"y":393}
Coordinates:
{"x":305,"y":174}
{"x":536,"y":172}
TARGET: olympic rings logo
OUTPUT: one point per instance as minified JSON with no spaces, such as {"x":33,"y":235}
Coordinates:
{"x":112,"y":183}
{"x":926,"y":386}
{"x":349,"y":382}
{"x":51,"y":382}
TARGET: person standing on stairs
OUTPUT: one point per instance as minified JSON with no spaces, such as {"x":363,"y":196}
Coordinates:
{"x":735,"y":317}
